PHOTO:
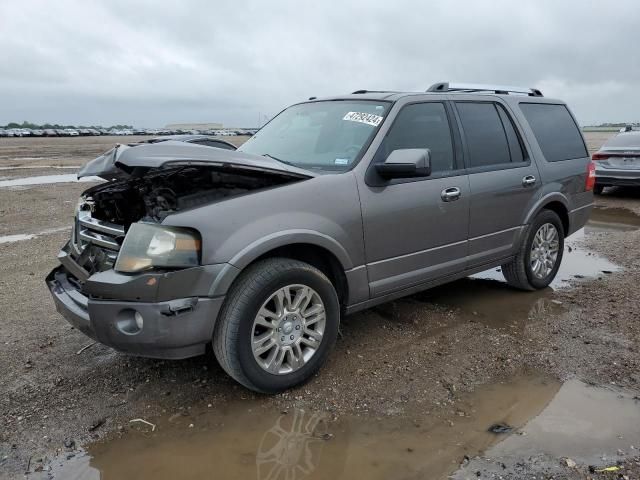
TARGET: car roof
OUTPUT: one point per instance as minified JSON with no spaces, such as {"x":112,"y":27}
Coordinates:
{"x":392,"y":96}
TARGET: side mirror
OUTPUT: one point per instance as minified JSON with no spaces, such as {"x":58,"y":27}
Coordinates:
{"x":406,"y":163}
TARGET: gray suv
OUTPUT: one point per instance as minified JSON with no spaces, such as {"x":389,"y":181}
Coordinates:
{"x":336,"y":205}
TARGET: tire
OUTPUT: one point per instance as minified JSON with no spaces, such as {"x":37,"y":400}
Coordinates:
{"x":235,"y":331}
{"x":519,"y":272}
{"x":598,"y":189}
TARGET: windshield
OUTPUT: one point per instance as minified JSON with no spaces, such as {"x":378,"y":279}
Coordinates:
{"x":327,"y":135}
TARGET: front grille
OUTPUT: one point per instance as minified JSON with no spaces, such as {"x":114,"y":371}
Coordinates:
{"x":95,"y":242}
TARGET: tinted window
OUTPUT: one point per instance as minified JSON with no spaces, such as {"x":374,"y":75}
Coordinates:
{"x":515,"y":144}
{"x":484,"y":133}
{"x":421,"y":125}
{"x":555,"y":130}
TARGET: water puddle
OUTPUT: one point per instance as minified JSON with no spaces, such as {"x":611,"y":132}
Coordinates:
{"x":41,"y":167}
{"x":612,"y":219}
{"x":30,"y":236}
{"x":46,"y":180}
{"x":590,"y":425}
{"x":247,"y":441}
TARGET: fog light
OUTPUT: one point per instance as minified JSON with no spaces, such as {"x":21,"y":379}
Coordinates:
{"x":139,"y":320}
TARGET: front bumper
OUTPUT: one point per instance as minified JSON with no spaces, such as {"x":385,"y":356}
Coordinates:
{"x":171,"y":329}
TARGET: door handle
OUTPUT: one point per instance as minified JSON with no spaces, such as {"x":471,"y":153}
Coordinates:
{"x":528,"y":181}
{"x":450,"y":194}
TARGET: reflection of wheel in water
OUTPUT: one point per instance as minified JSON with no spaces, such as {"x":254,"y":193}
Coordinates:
{"x":291,"y":449}
{"x":540,"y":308}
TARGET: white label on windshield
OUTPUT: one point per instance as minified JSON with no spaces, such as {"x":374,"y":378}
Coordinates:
{"x":368,"y":118}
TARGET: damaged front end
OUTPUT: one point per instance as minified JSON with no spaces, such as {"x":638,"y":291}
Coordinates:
{"x":126,"y":279}
{"x":150,"y":182}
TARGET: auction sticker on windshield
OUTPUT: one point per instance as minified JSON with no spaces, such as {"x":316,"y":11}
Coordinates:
{"x":368,"y":118}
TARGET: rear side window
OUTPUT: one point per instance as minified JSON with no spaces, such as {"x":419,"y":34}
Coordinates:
{"x":555,"y":130}
{"x":490,"y":135}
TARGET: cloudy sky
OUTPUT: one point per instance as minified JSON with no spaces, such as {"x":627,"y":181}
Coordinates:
{"x":149,"y":63}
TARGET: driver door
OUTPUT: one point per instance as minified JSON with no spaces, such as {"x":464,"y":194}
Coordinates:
{"x":415,"y":230}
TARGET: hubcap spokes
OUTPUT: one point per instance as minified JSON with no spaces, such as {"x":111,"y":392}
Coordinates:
{"x":288,"y":329}
{"x":544,"y":250}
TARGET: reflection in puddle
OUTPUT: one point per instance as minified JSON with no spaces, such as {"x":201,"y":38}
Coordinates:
{"x":247,"y":441}
{"x":612,"y":219}
{"x":590,"y":425}
{"x":46,"y":180}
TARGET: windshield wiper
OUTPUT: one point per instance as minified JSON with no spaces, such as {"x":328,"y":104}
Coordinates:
{"x":277,"y":159}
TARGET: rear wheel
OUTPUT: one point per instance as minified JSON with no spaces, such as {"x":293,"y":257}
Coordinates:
{"x":598,"y":189}
{"x":277,"y":326}
{"x":537,"y":263}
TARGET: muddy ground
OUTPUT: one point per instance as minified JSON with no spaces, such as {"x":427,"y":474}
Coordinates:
{"x":425,"y":362}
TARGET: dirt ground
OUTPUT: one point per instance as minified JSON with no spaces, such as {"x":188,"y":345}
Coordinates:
{"x":415,"y":357}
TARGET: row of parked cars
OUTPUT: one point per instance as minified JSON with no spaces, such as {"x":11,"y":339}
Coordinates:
{"x":76,"y":132}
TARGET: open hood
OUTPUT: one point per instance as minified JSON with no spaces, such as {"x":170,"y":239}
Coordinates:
{"x":122,"y":160}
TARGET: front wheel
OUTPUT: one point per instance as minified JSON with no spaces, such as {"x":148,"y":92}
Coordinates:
{"x":537,"y":263}
{"x":277,"y":326}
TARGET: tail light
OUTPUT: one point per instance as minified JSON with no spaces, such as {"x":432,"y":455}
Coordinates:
{"x":591,"y":177}
{"x":600,"y":156}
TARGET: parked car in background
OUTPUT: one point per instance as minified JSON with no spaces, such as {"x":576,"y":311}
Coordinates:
{"x":3,"y":133}
{"x":618,"y":161}
{"x":334,"y":206}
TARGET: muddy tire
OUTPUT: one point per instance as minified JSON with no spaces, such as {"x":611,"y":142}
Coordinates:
{"x":277,"y":325}
{"x":531,"y":269}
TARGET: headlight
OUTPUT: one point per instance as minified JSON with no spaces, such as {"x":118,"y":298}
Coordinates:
{"x":147,"y":246}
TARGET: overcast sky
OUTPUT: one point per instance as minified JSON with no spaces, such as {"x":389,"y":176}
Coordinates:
{"x":149,"y":63}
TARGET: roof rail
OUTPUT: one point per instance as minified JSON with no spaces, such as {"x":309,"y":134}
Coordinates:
{"x":357,"y":92}
{"x":475,"y":87}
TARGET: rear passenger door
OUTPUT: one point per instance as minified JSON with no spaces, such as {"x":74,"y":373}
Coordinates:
{"x":503,"y":179}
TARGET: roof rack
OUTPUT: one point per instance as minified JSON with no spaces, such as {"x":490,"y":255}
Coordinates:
{"x":358,"y":92}
{"x":475,"y":87}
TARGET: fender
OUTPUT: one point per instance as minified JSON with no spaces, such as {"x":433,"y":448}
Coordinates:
{"x":270,"y":242}
{"x":539,"y":205}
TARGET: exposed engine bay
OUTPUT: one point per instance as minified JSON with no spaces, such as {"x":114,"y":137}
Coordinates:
{"x":151,"y":195}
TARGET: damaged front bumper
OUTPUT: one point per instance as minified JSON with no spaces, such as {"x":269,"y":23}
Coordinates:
{"x":160,"y":315}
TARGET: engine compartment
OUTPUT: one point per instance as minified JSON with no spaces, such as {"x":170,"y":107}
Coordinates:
{"x":153,"y":194}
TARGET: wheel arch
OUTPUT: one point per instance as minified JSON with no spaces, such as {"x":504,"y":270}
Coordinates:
{"x":556,"y":203}
{"x":318,"y":250}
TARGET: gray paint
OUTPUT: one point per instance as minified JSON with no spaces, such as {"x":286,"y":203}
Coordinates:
{"x":391,"y":238}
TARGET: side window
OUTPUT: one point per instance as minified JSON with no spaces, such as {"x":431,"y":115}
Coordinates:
{"x":421,"y":125}
{"x":555,"y":130}
{"x":485,"y":134}
{"x":515,"y":144}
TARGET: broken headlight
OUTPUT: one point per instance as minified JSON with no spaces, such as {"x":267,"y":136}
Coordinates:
{"x":149,"y":246}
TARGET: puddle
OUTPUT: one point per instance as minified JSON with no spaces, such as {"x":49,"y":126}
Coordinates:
{"x":41,"y":167}
{"x":490,"y":302}
{"x":612,"y":219}
{"x":247,"y":441}
{"x":46,"y":180}
{"x":590,"y":425}
{"x":30,"y":236}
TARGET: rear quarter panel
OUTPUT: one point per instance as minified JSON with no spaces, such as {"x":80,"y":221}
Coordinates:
{"x":562,"y":181}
